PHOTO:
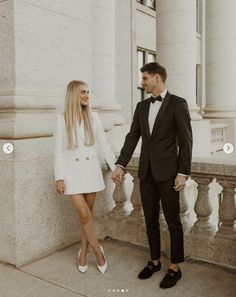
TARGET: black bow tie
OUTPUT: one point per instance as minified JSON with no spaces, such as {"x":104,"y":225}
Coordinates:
{"x":159,"y":98}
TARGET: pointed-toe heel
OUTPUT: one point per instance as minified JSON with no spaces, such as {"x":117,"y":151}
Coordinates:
{"x":81,"y":268}
{"x":102,"y":268}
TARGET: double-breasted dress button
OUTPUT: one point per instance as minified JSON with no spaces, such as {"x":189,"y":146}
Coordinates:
{"x":77,"y":159}
{"x":87,"y":158}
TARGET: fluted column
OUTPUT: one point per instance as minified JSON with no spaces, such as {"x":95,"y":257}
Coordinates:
{"x":176,"y":47}
{"x":220,"y":59}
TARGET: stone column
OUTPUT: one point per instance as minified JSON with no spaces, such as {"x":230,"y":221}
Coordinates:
{"x":103,"y":62}
{"x":220,"y":59}
{"x":42,"y":48}
{"x":176,"y":48}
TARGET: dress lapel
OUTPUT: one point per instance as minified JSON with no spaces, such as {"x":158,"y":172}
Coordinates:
{"x":161,"y":113}
{"x":81,"y":129}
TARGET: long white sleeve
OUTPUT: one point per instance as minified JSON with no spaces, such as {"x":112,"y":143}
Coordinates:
{"x":58,"y":148}
{"x":103,"y":144}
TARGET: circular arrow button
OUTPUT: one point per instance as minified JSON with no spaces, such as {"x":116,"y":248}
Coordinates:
{"x":8,"y":148}
{"x":228,"y":148}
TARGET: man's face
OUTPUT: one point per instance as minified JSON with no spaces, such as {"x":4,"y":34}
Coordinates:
{"x":149,"y":81}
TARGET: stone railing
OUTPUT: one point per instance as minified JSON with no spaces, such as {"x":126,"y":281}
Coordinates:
{"x":208,"y":213}
{"x":217,"y":136}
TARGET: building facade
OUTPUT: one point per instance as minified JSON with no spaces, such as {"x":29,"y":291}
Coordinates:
{"x":45,"y":44}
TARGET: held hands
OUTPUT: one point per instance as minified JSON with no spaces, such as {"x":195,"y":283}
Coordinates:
{"x":60,"y":187}
{"x":179,"y":182}
{"x":117,"y":175}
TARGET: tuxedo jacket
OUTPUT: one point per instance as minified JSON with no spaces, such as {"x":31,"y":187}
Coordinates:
{"x":168,"y":148}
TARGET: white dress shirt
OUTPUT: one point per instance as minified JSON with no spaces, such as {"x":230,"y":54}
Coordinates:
{"x":153,"y":110}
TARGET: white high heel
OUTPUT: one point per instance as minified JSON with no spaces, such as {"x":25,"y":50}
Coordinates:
{"x":102,"y":268}
{"x":82,"y":269}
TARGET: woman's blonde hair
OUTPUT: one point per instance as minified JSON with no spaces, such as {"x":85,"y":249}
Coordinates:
{"x":74,"y":111}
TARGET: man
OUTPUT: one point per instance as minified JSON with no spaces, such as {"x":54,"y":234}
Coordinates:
{"x":163,"y":122}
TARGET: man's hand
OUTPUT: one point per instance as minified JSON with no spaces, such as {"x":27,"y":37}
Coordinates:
{"x":60,"y":187}
{"x":179,"y":182}
{"x":117,"y":175}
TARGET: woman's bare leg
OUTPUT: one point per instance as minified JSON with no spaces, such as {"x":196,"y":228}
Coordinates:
{"x":86,"y":220}
{"x":90,"y":200}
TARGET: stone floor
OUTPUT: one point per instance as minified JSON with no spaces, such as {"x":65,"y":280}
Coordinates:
{"x":57,"y":275}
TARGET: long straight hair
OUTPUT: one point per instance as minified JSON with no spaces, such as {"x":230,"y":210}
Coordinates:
{"x":74,"y":112}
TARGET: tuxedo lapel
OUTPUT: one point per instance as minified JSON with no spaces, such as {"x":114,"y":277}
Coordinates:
{"x":145,"y":111}
{"x":160,"y":113}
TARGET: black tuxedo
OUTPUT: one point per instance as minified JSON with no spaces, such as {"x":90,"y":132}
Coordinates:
{"x":172,"y":130}
{"x":164,"y":153}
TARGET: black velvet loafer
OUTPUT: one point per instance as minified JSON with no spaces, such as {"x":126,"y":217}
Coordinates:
{"x":149,"y":270}
{"x":170,"y":279}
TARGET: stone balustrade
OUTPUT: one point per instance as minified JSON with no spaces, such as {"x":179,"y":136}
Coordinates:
{"x":207,"y":210}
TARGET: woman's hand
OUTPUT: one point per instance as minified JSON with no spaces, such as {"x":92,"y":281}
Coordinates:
{"x":60,"y":187}
{"x":117,"y":175}
{"x":179,"y":183}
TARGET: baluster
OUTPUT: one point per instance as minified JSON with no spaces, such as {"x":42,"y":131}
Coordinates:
{"x":203,"y":208}
{"x":227,"y":211}
{"x":185,"y":196}
{"x":120,"y":199}
{"x":214,"y":192}
{"x":137,"y":212}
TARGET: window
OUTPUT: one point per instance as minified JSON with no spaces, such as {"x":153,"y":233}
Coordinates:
{"x":151,"y":57}
{"x":149,"y":3}
{"x":198,"y":84}
{"x":143,"y":56}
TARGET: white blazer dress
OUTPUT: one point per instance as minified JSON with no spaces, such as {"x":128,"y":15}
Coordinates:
{"x":80,"y":168}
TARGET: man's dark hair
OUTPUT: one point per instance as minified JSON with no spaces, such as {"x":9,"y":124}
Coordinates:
{"x":155,"y":68}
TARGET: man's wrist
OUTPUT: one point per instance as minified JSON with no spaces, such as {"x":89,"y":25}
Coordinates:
{"x":181,"y":174}
{"x":121,"y":167}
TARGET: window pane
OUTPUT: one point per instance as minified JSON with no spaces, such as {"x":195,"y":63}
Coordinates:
{"x":151,"y":4}
{"x":199,"y":16}
{"x":151,"y":58}
{"x":140,"y":94}
{"x":140,"y":1}
{"x":140,"y":64}
{"x":198,"y":85}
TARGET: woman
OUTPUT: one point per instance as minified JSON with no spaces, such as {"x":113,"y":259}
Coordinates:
{"x":79,"y":140}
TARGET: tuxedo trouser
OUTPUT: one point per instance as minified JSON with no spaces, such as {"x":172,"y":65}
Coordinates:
{"x":152,"y":192}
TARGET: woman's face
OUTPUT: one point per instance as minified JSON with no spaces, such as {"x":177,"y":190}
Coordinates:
{"x":84,"y":95}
